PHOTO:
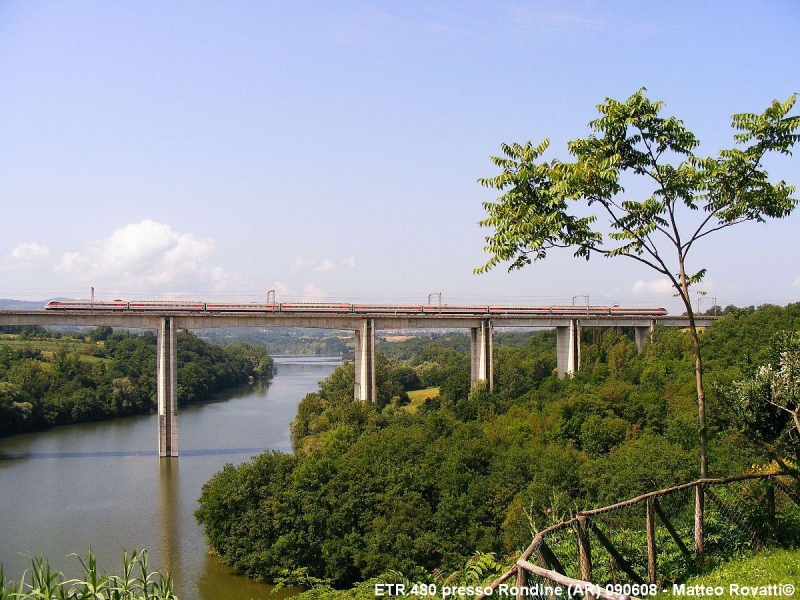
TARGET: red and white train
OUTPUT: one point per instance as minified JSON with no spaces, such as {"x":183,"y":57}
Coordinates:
{"x":184,"y":306}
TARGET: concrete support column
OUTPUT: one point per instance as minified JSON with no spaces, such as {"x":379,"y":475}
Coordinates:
{"x":644,"y":334}
{"x":365,"y":387}
{"x":167,"y":381}
{"x":481,"y":354}
{"x":568,"y":348}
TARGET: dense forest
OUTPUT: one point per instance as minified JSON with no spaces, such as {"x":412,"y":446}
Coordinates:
{"x":414,"y":487}
{"x":48,"y":378}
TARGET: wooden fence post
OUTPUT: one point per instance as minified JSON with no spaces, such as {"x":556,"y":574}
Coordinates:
{"x":585,"y":551}
{"x":549,"y":560}
{"x":617,"y":559}
{"x":651,"y":541}
{"x":522,"y":582}
{"x":678,"y":541}
{"x":771,"y":508}
{"x":699,"y":507}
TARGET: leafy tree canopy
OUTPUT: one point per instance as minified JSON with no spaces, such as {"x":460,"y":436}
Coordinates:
{"x":536,"y":211}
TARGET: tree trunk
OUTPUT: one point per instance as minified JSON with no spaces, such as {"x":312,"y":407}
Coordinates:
{"x":698,"y":371}
{"x":699,"y":507}
{"x":701,"y":397}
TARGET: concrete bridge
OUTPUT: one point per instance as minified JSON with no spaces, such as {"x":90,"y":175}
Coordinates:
{"x":364,"y":326}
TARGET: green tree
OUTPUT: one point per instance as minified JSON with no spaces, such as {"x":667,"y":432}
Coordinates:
{"x":100,"y":334}
{"x":689,"y":196}
{"x":768,"y":402}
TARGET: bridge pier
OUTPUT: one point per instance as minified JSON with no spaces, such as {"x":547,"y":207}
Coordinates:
{"x":365,"y":387}
{"x":481,"y":355}
{"x":167,"y":391}
{"x":644,"y":334}
{"x":568,"y":348}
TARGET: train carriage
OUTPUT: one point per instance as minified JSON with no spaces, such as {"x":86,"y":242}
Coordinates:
{"x":166,"y":305}
{"x":397,"y":309}
{"x":86,"y":305}
{"x":638,"y":311}
{"x":519,"y":310}
{"x":242,"y":307}
{"x":454,"y":309}
{"x":327,"y":307}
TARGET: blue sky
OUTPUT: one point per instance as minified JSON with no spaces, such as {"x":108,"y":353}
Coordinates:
{"x":330,"y":150}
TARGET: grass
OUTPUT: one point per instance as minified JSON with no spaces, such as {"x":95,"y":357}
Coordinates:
{"x":93,"y":359}
{"x":419,"y":396}
{"x":771,"y":567}
{"x":398,"y":338}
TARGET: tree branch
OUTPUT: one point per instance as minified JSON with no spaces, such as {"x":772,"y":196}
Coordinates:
{"x":652,"y":265}
{"x":696,"y":235}
{"x":755,"y":164}
{"x":712,"y":230}
{"x":651,"y":248}
{"x":794,"y":413}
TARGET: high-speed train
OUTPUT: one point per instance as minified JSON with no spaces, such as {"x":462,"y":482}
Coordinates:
{"x":162,"y":306}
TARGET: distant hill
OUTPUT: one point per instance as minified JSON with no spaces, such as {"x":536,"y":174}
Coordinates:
{"x":6,"y":304}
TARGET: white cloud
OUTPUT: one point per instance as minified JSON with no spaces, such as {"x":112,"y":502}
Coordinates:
{"x":30,"y":251}
{"x":656,"y":287}
{"x":26,"y":257}
{"x":320,"y":265}
{"x":142,"y":253}
{"x":796,"y":282}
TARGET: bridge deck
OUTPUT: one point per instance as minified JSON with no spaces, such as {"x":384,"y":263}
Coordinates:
{"x":383,"y":321}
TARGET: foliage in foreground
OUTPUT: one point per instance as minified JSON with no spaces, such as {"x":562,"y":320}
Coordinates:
{"x":134,"y":582}
{"x":779,"y":567}
{"x":479,"y":570}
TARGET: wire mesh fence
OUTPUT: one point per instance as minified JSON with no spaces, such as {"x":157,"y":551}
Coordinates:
{"x":650,"y":542}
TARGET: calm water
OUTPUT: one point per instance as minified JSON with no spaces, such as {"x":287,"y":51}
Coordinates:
{"x":100,"y":485}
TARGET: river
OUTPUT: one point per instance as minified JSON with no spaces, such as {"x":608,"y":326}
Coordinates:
{"x":101,"y":485}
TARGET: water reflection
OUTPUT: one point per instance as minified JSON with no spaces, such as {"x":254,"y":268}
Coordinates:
{"x":256,"y":388}
{"x":169,"y":500}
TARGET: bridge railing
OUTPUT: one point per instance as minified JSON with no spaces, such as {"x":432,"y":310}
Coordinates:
{"x":636,"y":547}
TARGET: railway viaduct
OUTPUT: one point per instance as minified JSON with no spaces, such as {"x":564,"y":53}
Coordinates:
{"x":364,"y":326}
